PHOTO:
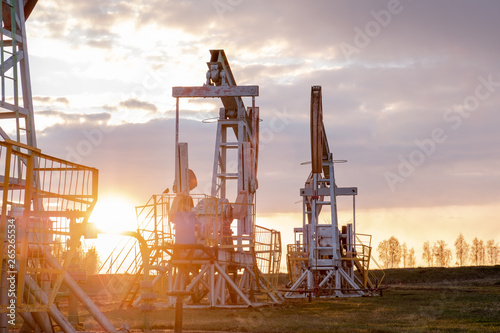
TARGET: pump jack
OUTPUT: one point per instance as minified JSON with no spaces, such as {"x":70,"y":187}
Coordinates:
{"x":326,"y":261}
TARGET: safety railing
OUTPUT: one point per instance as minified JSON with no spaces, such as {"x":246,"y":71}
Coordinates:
{"x":297,"y":257}
{"x":46,"y":202}
{"x":370,"y":278}
{"x":155,"y":225}
{"x":267,"y":251}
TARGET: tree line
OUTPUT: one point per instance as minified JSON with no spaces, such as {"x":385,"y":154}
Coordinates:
{"x":393,"y":254}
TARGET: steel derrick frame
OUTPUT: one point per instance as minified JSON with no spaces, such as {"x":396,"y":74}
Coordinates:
{"x":15,"y":72}
{"x":48,"y":200}
{"x":326,"y":261}
{"x":220,"y":269}
{"x":243,"y":123}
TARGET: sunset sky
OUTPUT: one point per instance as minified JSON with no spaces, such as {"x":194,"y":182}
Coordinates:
{"x":411,"y":98}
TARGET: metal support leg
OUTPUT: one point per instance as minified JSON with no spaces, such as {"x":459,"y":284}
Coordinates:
{"x":178,"y":314}
{"x":73,"y":310}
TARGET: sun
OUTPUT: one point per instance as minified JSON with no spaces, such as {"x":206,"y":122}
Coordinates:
{"x":114,"y":214}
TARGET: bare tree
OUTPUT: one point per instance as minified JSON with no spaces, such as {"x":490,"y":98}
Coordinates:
{"x":441,"y":253}
{"x":477,"y":252}
{"x":394,"y":252}
{"x":411,"y":258}
{"x":389,"y":252}
{"x":496,"y":257}
{"x":427,"y":253}
{"x":496,"y":254}
{"x":404,"y":255}
{"x":408,"y":256}
{"x":491,"y":252}
{"x":383,"y":252}
{"x":461,"y":250}
{"x":482,"y":252}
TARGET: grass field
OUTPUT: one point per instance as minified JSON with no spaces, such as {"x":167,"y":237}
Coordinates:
{"x":465,"y":299}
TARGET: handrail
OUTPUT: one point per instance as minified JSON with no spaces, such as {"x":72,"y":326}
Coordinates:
{"x":48,"y":201}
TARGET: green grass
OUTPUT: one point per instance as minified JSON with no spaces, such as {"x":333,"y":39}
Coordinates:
{"x":441,"y":274}
{"x":465,"y":299}
{"x":450,"y":308}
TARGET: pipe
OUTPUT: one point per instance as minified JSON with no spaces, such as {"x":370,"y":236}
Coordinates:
{"x":26,"y":329}
{"x":61,"y":320}
{"x":53,"y":310}
{"x":41,"y":319}
{"x":29,"y":321}
{"x":82,"y":297}
{"x":35,"y":320}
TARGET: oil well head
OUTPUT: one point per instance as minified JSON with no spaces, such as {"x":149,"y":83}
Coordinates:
{"x":233,"y":262}
{"x":327,"y":260}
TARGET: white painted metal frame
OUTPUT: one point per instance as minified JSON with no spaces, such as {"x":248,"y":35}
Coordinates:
{"x":235,"y":165}
{"x":325,"y":248}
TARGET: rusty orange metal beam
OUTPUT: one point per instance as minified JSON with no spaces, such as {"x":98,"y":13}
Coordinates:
{"x":215,"y":91}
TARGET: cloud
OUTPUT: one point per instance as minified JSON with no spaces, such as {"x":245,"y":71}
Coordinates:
{"x":109,"y":108}
{"x":137,"y":159}
{"x":75,"y":118}
{"x":379,"y":104}
{"x":93,"y":37}
{"x":42,"y":99}
{"x":137,"y":104}
{"x":51,"y":100}
{"x":62,"y":100}
{"x":94,"y":24}
{"x":292,"y":29}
